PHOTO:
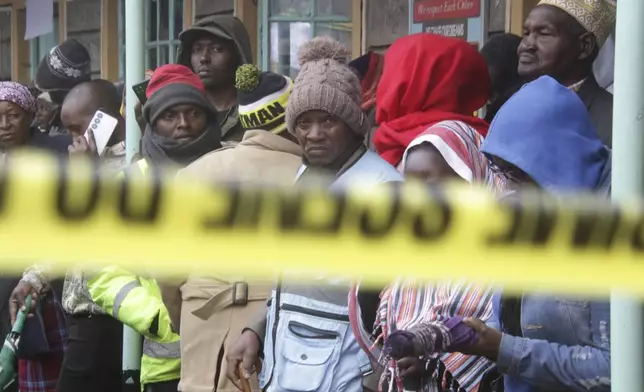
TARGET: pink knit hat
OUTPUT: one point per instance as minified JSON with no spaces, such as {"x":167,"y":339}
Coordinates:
{"x":326,"y":83}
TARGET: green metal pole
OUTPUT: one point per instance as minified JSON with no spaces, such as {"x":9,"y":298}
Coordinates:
{"x":134,"y":73}
{"x":627,"y":332}
{"x":134,"y":69}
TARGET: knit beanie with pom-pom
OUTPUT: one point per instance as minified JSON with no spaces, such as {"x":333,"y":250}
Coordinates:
{"x":326,"y":83}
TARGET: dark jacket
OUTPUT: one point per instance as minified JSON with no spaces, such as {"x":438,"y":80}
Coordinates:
{"x":599,"y":103}
{"x":226,"y":27}
{"x":58,"y":144}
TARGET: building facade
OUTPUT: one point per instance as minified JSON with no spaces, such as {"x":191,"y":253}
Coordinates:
{"x":277,"y":27}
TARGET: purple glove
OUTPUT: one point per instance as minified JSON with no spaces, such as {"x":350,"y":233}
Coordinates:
{"x":432,"y":337}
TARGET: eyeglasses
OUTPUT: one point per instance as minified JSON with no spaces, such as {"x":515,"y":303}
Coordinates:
{"x":510,"y":173}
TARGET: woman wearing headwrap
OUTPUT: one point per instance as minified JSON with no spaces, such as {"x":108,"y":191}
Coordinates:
{"x":449,"y":150}
{"x":446,"y":151}
{"x":444,"y":79}
{"x":39,"y":369}
{"x":17,"y":111}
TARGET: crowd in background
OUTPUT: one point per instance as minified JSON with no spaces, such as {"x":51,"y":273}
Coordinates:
{"x":410,"y":113}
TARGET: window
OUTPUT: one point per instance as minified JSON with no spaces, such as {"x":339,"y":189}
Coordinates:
{"x":5,"y":43}
{"x":40,"y":46}
{"x":287,"y":24}
{"x":164,"y":22}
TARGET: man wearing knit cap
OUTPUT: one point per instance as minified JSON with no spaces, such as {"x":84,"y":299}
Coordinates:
{"x":64,"y":67}
{"x":325,"y":116}
{"x":213,"y":312}
{"x":562,"y":39}
{"x":213,"y":48}
{"x":180,"y":129}
{"x":182,"y":123}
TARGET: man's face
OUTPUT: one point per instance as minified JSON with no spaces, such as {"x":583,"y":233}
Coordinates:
{"x":76,"y":116}
{"x":323,"y":137}
{"x":215,"y":60}
{"x":183,"y":123}
{"x":549,"y":47}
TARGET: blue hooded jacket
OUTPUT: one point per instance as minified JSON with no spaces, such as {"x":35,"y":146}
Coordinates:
{"x":545,"y":130}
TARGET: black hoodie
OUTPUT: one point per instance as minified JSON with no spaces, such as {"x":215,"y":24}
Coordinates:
{"x":226,"y":27}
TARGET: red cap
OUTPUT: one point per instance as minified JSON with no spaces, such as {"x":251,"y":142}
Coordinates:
{"x":173,"y":74}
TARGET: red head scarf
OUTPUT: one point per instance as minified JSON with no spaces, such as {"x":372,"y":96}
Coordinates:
{"x":426,"y":79}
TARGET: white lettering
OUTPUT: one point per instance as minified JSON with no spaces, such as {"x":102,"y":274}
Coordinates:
{"x":449,"y":30}
{"x":430,"y":10}
{"x":465,"y":5}
{"x":450,"y":5}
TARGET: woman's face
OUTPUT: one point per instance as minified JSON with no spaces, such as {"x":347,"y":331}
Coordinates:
{"x":14,"y":125}
{"x":183,"y":123}
{"x":424,"y":162}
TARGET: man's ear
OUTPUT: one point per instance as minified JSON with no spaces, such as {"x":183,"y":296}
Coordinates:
{"x":588,"y":45}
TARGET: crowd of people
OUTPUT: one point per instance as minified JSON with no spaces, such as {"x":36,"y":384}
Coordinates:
{"x":412,"y":113}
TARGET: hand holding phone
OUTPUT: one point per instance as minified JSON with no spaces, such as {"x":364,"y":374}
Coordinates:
{"x":100,"y":131}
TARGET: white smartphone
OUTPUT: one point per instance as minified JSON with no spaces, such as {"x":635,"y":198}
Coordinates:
{"x":103,"y":126}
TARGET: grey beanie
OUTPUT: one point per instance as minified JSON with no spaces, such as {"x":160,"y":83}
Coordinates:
{"x":326,"y":83}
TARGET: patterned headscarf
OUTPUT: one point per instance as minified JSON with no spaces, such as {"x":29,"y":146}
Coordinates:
{"x":460,"y":146}
{"x":18,"y":94}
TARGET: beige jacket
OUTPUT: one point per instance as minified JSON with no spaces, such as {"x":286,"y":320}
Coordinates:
{"x":204,"y":307}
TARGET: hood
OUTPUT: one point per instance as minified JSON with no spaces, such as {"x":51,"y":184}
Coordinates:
{"x":431,"y":73}
{"x":545,"y":130}
{"x":222,"y":26}
{"x":427,"y":79}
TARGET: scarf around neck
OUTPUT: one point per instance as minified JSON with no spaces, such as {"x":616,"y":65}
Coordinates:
{"x":160,"y":150}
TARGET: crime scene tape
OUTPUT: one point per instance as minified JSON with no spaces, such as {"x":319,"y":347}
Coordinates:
{"x":51,"y":210}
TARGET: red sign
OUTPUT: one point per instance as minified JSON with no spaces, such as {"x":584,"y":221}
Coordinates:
{"x":428,"y":10}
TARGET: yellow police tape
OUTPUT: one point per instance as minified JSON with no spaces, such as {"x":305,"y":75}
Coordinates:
{"x":68,"y":214}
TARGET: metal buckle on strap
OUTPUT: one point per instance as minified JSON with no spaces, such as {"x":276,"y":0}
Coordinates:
{"x":240,"y":293}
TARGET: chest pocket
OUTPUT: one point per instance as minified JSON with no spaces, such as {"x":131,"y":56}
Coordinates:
{"x":315,"y":350}
{"x":307,"y":356}
{"x":576,"y":315}
{"x":563,"y":320}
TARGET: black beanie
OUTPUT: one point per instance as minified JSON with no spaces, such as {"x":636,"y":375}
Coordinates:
{"x":64,"y":67}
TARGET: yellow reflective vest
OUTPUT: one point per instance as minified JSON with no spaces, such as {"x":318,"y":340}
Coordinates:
{"x":141,"y":165}
{"x":137,"y":303}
